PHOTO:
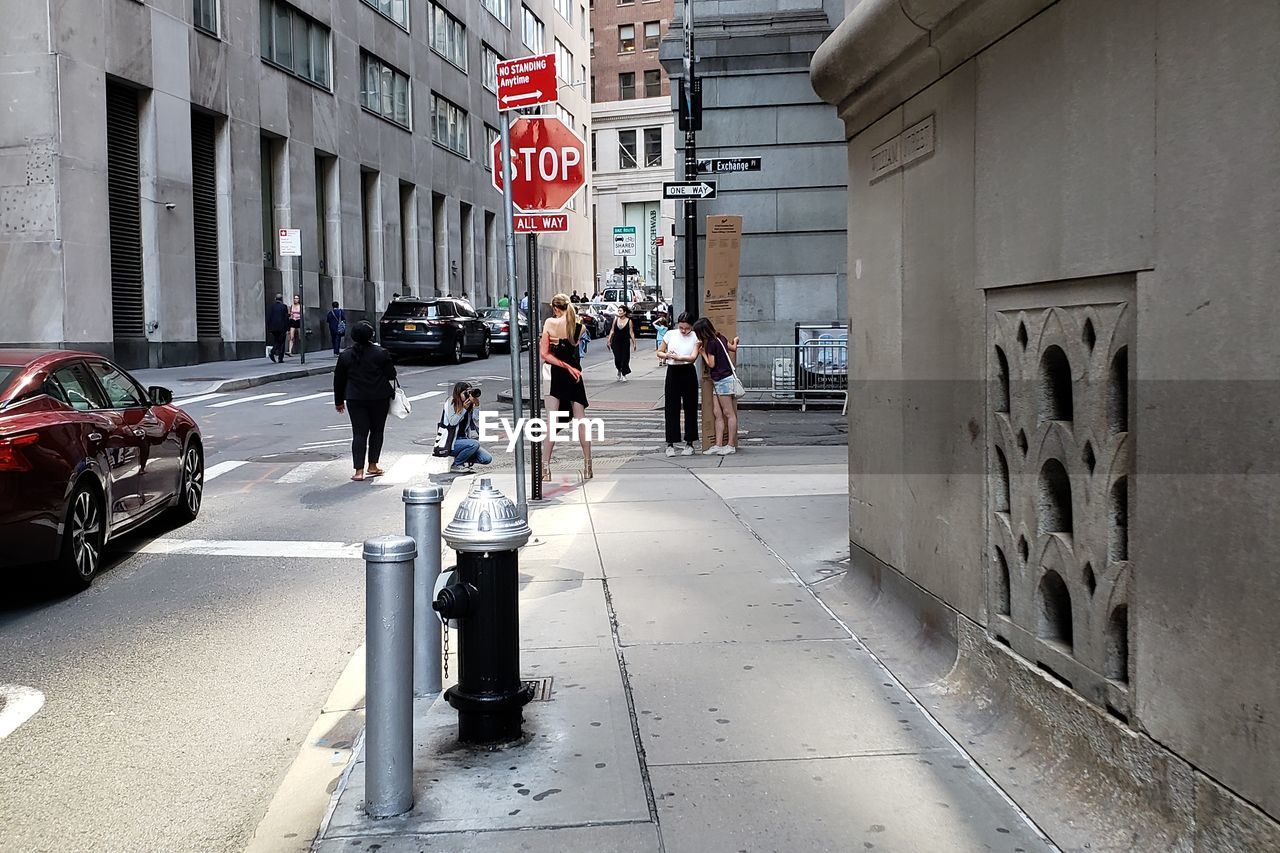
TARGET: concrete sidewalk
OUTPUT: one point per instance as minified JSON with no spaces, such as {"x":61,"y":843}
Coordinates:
{"x":215,"y":376}
{"x":701,"y":697}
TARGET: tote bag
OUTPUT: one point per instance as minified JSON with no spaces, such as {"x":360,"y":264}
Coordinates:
{"x":400,"y":406}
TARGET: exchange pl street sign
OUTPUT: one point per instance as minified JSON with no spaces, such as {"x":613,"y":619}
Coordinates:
{"x":527,"y":82}
{"x":541,"y":223}
{"x":726,"y":165}
{"x":624,"y":241}
{"x":688,"y":189}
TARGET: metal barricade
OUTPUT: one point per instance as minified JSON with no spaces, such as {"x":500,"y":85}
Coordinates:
{"x":792,"y":374}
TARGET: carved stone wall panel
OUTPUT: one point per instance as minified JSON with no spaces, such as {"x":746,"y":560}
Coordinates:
{"x":1059,"y":462}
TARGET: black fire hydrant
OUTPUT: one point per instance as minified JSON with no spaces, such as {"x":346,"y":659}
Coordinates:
{"x":483,"y":597}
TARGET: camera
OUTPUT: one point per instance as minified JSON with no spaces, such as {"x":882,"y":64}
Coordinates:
{"x":475,"y":392}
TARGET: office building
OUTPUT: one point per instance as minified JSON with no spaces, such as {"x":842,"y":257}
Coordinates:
{"x":149,"y":158}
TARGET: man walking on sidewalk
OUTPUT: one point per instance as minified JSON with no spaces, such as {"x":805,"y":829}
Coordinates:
{"x":278,"y":327}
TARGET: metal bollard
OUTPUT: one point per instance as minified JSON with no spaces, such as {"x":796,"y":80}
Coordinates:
{"x":388,"y":661}
{"x":422,"y":523}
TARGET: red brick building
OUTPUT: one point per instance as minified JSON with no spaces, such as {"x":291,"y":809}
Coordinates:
{"x":624,"y":49}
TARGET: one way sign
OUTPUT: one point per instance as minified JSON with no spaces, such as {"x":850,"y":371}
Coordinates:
{"x":688,"y":189}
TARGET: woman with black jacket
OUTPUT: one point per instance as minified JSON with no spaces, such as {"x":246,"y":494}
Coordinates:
{"x":363,"y":387}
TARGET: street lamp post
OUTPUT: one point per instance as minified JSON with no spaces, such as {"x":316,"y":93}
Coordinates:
{"x":690,"y":115}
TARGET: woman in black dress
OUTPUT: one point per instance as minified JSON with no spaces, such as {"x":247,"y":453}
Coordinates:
{"x":559,"y":348}
{"x":622,"y":340}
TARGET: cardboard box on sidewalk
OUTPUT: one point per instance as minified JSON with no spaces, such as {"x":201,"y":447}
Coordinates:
{"x":720,"y":297}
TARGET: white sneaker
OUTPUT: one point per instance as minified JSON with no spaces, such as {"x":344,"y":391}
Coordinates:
{"x":712,"y":450}
{"x":671,"y":450}
{"x":688,"y":450}
{"x":727,"y":451}
{"x":624,"y":379}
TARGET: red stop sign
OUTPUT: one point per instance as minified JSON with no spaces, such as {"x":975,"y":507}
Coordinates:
{"x":547,"y":164}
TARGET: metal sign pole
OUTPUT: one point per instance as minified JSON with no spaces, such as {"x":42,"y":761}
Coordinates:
{"x":690,"y":170}
{"x":302,"y":315}
{"x":535,"y":375}
{"x":517,"y":403}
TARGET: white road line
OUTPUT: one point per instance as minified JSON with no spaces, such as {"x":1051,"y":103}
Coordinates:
{"x":303,"y":472}
{"x":193,"y":400}
{"x":413,"y":465}
{"x":215,"y":471}
{"x":240,"y":400}
{"x":253,"y":548}
{"x":315,"y":445}
{"x":425,"y":396}
{"x":17,"y":705}
{"x":293,"y":400}
{"x":338,"y":426}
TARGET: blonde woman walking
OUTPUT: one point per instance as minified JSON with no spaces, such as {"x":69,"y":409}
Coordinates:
{"x":559,"y":349}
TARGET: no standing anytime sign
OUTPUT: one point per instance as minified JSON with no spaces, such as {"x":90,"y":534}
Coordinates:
{"x":527,"y":82}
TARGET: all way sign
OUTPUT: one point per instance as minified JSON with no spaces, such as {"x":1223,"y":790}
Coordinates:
{"x":542,"y":223}
{"x":688,"y":189}
{"x":527,"y":82}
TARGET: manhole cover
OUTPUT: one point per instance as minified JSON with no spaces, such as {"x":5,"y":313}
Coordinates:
{"x":541,"y":688}
{"x":295,"y":456}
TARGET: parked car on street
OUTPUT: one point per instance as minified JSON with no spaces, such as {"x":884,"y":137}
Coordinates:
{"x":499,"y":322}
{"x":86,"y":454}
{"x":594,"y":319}
{"x":433,"y":326}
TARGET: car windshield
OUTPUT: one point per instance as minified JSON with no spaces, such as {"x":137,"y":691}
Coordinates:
{"x":403,"y":308}
{"x":496,"y":313}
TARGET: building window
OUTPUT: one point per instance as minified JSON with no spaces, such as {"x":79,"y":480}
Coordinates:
{"x":593,"y":152}
{"x":491,"y":135}
{"x":626,"y":86}
{"x":593,"y":41}
{"x":384,"y":91}
{"x":294,"y":42}
{"x":593,"y":88}
{"x":652,"y":32}
{"x":532,"y":30}
{"x":627,"y":38}
{"x":652,"y":83}
{"x":204,"y":14}
{"x":565,"y":8}
{"x":449,"y":126}
{"x":652,"y":146}
{"x":564,"y":62}
{"x":627,"y":149}
{"x":626,"y":2}
{"x":448,"y":36}
{"x":566,"y":117}
{"x":396,"y":10}
{"x":582,"y":21}
{"x":490,"y":59}
{"x":500,"y":9}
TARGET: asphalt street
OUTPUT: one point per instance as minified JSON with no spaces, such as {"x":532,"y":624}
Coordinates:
{"x":178,"y":687}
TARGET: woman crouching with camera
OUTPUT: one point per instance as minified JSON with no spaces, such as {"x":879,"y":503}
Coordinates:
{"x":458,"y":432}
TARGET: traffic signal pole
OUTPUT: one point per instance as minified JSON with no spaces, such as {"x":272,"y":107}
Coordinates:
{"x":690,"y":168}
{"x":517,"y":392}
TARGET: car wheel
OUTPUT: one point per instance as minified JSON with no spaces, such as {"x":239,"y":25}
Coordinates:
{"x":485,"y":348}
{"x":191,"y":487}
{"x":456,"y":355}
{"x":83,"y":538}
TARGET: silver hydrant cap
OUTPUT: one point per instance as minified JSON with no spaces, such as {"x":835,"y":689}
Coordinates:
{"x":486,"y":521}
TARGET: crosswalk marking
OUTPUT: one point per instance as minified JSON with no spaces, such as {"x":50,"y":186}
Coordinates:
{"x":425,"y":396}
{"x":253,"y":548}
{"x":413,"y":465}
{"x":215,"y":471}
{"x":200,"y":399}
{"x":303,"y":471}
{"x":293,"y":400}
{"x":250,"y":399}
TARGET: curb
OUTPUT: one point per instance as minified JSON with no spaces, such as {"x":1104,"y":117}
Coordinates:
{"x":284,"y":376}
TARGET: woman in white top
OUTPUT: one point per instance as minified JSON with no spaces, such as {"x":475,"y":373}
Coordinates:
{"x":679,"y":349}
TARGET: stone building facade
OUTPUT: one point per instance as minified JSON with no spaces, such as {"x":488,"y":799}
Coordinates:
{"x":753,"y":60}
{"x":151,"y":151}
{"x":1062,"y":253}
{"x":632,"y":139}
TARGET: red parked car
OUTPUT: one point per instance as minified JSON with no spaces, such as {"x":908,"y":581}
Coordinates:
{"x":86,"y":454}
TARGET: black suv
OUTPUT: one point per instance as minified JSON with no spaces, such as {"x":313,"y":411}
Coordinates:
{"x":433,"y":326}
